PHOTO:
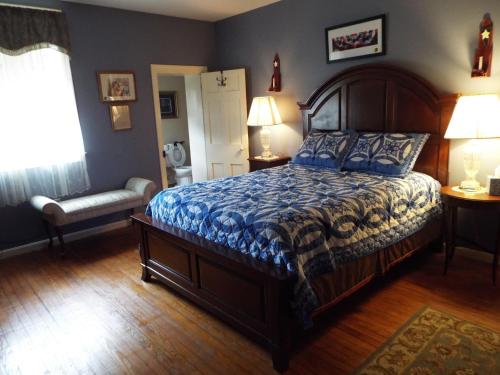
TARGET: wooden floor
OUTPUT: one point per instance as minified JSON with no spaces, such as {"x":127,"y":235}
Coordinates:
{"x":91,"y":313}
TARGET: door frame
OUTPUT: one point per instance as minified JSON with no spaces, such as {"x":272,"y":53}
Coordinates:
{"x":156,"y":71}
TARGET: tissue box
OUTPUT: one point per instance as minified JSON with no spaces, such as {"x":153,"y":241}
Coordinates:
{"x":493,"y":185}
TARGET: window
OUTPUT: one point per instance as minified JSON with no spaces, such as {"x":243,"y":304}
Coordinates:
{"x":41,"y":145}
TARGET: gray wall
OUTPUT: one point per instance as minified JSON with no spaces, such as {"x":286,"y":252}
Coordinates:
{"x":110,"y":39}
{"x":435,"y":39}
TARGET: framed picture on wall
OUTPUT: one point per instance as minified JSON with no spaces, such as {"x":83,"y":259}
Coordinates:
{"x":362,"y":38}
{"x":168,"y":104}
{"x":116,"y":86}
{"x":120,"y":116}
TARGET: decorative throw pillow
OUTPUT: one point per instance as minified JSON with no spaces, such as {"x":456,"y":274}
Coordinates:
{"x":324,"y":148}
{"x":392,"y":154}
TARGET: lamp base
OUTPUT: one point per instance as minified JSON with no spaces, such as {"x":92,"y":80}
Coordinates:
{"x":267,"y":154}
{"x":260,"y":157}
{"x":265,"y":139}
{"x":471,"y":167}
{"x":468,"y":191}
{"x":471,"y":185}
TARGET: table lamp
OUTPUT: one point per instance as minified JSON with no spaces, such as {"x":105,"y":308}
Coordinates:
{"x":264,"y":112}
{"x":475,"y":117}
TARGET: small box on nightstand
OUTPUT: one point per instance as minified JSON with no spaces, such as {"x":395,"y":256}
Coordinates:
{"x":493,"y":185}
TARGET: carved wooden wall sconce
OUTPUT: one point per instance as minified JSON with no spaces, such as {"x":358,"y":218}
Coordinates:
{"x":276,"y":78}
{"x":484,"y":52}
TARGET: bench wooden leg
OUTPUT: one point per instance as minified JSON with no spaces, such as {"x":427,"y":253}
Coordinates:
{"x":59,"y":233}
{"x":46,"y":226}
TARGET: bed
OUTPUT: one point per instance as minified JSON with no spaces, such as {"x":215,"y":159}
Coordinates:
{"x":256,"y":250}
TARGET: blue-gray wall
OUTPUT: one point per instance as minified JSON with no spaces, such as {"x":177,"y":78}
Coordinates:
{"x":111,"y":39}
{"x":434,"y":38}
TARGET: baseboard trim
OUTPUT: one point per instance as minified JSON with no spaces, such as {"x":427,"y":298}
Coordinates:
{"x":70,"y":237}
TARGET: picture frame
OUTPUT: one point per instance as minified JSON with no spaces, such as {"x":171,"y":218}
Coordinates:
{"x":352,"y":40}
{"x":116,"y":86}
{"x":168,"y":104}
{"x":120,"y":116}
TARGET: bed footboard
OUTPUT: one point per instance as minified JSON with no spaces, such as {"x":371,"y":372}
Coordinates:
{"x":251,"y":296}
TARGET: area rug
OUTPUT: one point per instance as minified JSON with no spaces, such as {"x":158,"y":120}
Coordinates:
{"x":433,"y":342}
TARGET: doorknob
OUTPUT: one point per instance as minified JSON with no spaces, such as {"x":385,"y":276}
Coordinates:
{"x":242,"y":148}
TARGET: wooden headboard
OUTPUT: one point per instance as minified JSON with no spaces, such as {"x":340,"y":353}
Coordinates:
{"x":384,"y":98}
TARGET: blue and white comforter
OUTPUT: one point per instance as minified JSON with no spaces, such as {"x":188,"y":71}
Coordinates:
{"x":306,"y":218}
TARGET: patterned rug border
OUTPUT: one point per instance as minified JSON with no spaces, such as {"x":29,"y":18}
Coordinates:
{"x":409,"y":322}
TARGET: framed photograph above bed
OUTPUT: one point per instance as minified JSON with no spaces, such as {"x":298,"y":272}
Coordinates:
{"x":362,"y":38}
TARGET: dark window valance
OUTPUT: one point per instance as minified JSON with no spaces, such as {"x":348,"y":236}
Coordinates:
{"x":24,"y":29}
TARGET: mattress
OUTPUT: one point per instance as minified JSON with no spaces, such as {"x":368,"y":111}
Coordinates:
{"x":311,"y":220}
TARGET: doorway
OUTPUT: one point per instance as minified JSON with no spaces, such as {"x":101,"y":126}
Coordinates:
{"x":186,"y":77}
{"x":214,"y":109}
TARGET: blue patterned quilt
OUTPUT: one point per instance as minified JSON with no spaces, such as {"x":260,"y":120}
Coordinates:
{"x":308,"y":219}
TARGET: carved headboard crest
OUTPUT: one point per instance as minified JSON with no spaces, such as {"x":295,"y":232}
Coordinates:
{"x":385,"y":98}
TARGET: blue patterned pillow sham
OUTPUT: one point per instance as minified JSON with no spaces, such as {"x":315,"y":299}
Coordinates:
{"x":325,"y":148}
{"x":392,"y":154}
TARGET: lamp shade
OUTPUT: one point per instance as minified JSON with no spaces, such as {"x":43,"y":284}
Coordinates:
{"x":475,"y":117}
{"x":263,"y":112}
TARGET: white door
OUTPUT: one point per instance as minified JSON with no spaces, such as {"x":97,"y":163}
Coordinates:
{"x":225,"y":119}
{"x":194,"y":104}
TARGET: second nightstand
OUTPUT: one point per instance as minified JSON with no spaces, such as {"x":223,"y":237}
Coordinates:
{"x":453,"y":200}
{"x":259,"y":163}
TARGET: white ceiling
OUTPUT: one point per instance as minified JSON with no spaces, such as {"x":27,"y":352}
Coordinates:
{"x":205,"y":10}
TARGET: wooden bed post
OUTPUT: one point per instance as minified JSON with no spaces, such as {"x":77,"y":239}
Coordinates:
{"x":281,"y":323}
{"x":145,"y":275}
{"x":140,"y":236}
{"x":213,"y":277}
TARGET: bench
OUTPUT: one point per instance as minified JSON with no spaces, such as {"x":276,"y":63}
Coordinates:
{"x":137,"y":193}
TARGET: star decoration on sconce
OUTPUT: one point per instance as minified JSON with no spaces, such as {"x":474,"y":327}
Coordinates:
{"x":484,"y":51}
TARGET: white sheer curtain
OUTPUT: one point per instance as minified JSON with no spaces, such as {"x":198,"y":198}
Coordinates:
{"x":41,"y":146}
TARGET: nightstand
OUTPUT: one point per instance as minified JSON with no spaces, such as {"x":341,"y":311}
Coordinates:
{"x":482,"y":202}
{"x":259,"y":163}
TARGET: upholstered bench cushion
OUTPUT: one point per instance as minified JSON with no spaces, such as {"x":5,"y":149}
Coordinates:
{"x":137,"y":193}
{"x":91,"y":206}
